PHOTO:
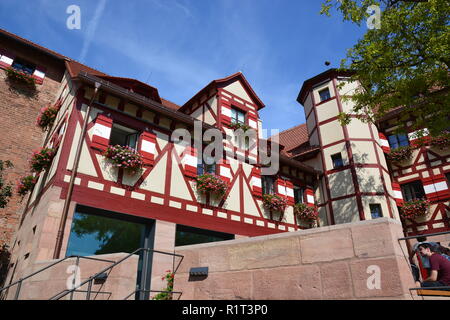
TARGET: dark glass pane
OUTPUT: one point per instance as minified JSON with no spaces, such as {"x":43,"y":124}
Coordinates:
{"x":413,"y":190}
{"x":199,"y":169}
{"x":324,"y":94}
{"x":375,"y":211}
{"x":188,"y":235}
{"x":23,"y":66}
{"x":393,"y":142}
{"x":118,"y":137}
{"x":267,"y":185}
{"x":337,"y":160}
{"x":92,"y":235}
{"x":403,"y":140}
{"x":298,"y":195}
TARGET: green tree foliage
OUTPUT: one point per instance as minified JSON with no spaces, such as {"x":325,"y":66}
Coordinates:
{"x":5,"y":188}
{"x":404,"y":63}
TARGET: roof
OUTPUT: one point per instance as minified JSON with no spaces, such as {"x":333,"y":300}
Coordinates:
{"x":309,"y":83}
{"x":219,"y":83}
{"x":296,"y":142}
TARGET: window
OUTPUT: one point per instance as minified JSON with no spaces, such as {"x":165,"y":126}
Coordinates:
{"x":204,"y":167}
{"x":298,"y":194}
{"x":237,"y":116}
{"x":185,"y":236}
{"x":375,"y":210}
{"x":96,"y":231}
{"x":123,"y":136}
{"x":413,"y":190}
{"x":398,"y":140}
{"x":324,"y":94}
{"x":23,"y":66}
{"x":337,"y":160}
{"x":268,"y":183}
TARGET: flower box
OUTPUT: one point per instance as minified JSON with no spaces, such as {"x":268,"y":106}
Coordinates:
{"x":124,"y":157}
{"x":47,"y":116}
{"x":304,"y":212}
{"x":209,"y":183}
{"x":441,"y":141}
{"x":274,"y":202}
{"x":42,"y":159}
{"x":21,"y":77}
{"x":414,"y":208}
{"x":307,"y":214}
{"x":400,"y":154}
{"x":26,"y":184}
{"x":237,"y":126}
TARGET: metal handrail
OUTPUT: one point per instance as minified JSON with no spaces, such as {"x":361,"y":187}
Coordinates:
{"x":45,"y":268}
{"x":424,"y":235}
{"x":141,"y":290}
{"x":92,"y":278}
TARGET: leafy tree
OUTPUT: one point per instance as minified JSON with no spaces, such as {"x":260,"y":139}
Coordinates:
{"x":5,"y":188}
{"x":404,"y":63}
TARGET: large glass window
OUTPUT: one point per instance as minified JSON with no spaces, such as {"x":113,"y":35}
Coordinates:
{"x":94,"y":233}
{"x":123,"y":136}
{"x":188,"y":235}
{"x":413,"y":190}
{"x":398,"y":140}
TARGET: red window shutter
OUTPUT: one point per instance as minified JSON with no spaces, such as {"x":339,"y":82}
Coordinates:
{"x":189,"y":162}
{"x":309,"y":196}
{"x":102,"y":132}
{"x":147,"y":147}
{"x":255,"y":182}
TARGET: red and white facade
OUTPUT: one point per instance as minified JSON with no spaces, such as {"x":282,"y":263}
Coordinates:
{"x":165,"y":189}
{"x":366,"y":177}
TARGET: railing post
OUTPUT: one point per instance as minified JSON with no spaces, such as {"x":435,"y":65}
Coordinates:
{"x":18,"y":290}
{"x":88,"y":297}
{"x":75,"y":278}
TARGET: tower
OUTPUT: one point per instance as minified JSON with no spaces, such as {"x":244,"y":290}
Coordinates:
{"x":356,"y":184}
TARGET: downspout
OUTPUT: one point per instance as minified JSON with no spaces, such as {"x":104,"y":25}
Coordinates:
{"x":62,"y":224}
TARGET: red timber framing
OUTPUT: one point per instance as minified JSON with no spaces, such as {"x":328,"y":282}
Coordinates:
{"x":161,"y":206}
{"x":429,"y":172}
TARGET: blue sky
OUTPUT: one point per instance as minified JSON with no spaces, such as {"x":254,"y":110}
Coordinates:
{"x":179,"y":46}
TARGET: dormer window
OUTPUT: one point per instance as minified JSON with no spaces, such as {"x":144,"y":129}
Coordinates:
{"x":237,"y":116}
{"x":324,"y":94}
{"x":23,"y":66}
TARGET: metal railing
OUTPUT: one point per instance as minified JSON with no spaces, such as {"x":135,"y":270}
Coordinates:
{"x":21,"y":280}
{"x":444,"y":288}
{"x":91,"y":279}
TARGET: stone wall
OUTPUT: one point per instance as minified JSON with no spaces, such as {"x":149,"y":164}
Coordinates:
{"x":333,"y":262}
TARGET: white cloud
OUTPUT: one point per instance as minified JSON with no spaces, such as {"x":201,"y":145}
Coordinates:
{"x":91,"y":29}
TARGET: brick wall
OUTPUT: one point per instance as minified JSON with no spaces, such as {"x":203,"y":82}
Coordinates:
{"x":19,"y":135}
